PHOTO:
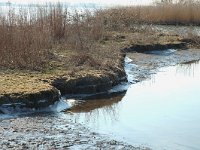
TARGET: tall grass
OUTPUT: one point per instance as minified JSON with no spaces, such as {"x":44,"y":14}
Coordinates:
{"x":22,"y":41}
{"x":178,"y":13}
{"x":27,"y":35}
{"x":164,"y":13}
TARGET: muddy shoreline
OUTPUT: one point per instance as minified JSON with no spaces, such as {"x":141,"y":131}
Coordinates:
{"x":148,"y":64}
{"x":52,"y":88}
{"x":41,"y":89}
{"x":94,"y":82}
{"x":54,"y":131}
{"x":51,"y":131}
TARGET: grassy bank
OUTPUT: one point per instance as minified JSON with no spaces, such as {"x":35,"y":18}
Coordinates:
{"x":47,"y":49}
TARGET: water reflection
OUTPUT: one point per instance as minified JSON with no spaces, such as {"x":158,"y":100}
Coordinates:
{"x":94,"y":111}
{"x":161,"y":113}
{"x":190,"y":68}
{"x":90,"y":105}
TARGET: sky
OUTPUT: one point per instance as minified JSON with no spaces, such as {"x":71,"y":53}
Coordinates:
{"x":106,"y":2}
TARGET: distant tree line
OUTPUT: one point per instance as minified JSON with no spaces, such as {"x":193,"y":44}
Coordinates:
{"x":176,"y":1}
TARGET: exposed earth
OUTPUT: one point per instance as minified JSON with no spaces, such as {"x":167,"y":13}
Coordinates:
{"x":52,"y":131}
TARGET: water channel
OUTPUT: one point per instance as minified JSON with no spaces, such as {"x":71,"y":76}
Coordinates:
{"x":161,"y":112}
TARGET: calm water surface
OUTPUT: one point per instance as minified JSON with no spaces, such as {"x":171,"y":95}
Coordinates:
{"x":161,"y":113}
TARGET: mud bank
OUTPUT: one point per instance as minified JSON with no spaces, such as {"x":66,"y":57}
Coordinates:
{"x":43,"y":89}
{"x":39,"y":99}
{"x":17,"y":90}
{"x":91,"y":83}
{"x":53,"y":132}
{"x":149,"y":47}
{"x":146,"y":64}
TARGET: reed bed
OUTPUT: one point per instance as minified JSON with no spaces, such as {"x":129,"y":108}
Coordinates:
{"x":28,"y":35}
{"x":180,"y":13}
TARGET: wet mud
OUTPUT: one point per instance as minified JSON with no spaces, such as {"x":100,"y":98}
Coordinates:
{"x":148,"y":63}
{"x":51,"y":131}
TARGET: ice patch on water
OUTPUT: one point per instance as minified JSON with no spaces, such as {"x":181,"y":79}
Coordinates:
{"x":120,"y":88}
{"x":19,"y":109}
{"x":131,"y":80}
{"x":128,"y":68}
